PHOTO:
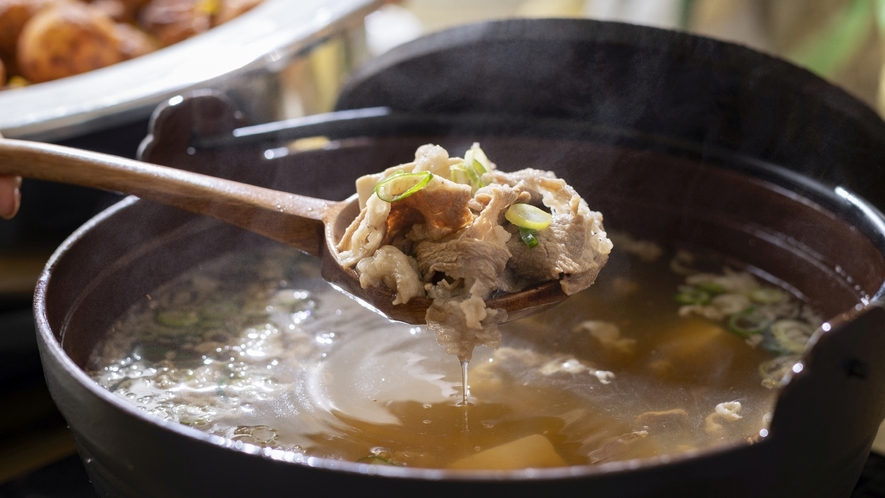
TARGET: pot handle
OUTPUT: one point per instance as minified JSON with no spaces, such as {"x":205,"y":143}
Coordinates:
{"x":292,"y":219}
{"x":828,"y":414}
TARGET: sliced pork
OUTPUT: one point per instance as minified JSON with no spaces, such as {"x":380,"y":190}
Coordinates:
{"x":442,"y":227}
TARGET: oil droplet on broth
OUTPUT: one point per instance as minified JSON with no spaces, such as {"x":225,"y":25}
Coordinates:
{"x":465,"y":387}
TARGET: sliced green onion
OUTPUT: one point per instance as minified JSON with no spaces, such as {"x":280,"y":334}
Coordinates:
{"x":528,"y":236}
{"x":793,"y":335}
{"x":774,"y":370}
{"x":471,"y":170}
{"x":460,"y":174}
{"x":400,"y":185}
{"x":767,"y":295}
{"x":177,"y":318}
{"x":476,"y":158}
{"x":772,"y":345}
{"x":528,"y":216}
{"x":465,"y":175}
{"x":692,"y":295}
{"x":711,"y":288}
{"x":748,"y":322}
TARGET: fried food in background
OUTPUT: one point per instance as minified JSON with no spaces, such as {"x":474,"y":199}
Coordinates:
{"x":229,"y":9}
{"x":44,"y":40}
{"x":134,"y":42}
{"x":67,"y":39}
{"x":14,"y":14}
{"x":172,"y":21}
{"x":121,"y":10}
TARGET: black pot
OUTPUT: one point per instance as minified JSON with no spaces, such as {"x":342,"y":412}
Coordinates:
{"x":785,"y":203}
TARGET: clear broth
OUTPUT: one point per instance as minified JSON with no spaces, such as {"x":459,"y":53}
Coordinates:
{"x":257,"y":348}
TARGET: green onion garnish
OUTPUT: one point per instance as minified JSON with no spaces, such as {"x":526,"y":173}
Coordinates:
{"x":477,"y":159}
{"x":469,"y":172}
{"x":465,"y":175}
{"x":748,"y":322}
{"x":793,"y":335}
{"x":528,"y":236}
{"x":711,"y":288}
{"x":692,"y":295}
{"x":528,"y":216}
{"x":177,"y":318}
{"x":400,"y":185}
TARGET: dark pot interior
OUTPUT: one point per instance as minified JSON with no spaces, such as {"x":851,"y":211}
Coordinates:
{"x":829,"y":249}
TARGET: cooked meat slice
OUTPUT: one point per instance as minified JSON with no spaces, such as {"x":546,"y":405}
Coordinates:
{"x":363,"y":237}
{"x":462,"y":324}
{"x":724,"y":412}
{"x":432,"y":158}
{"x":479,"y":253}
{"x":472,"y":264}
{"x":666,"y":420}
{"x":434,"y":212}
{"x":608,"y":334}
{"x":574,"y":247}
{"x":388,"y":265}
{"x":464,"y":249}
{"x":470,"y":260}
{"x":440,"y":209}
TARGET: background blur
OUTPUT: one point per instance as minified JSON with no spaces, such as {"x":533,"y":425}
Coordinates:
{"x":840,"y":40}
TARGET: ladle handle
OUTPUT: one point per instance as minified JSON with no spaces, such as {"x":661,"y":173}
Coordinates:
{"x":289,"y":218}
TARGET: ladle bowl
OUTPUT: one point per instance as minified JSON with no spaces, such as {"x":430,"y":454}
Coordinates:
{"x":312,"y":225}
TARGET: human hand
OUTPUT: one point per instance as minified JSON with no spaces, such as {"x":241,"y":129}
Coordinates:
{"x":10,"y":195}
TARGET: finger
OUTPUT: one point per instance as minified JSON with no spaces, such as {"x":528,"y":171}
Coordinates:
{"x":10,"y":196}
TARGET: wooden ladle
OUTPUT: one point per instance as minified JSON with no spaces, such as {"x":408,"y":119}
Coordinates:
{"x":313,"y":225}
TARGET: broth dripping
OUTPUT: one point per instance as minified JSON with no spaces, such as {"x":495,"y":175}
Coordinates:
{"x":614,"y":373}
{"x":465,"y":387}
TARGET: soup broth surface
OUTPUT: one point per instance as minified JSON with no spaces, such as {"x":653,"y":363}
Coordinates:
{"x":257,"y":348}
